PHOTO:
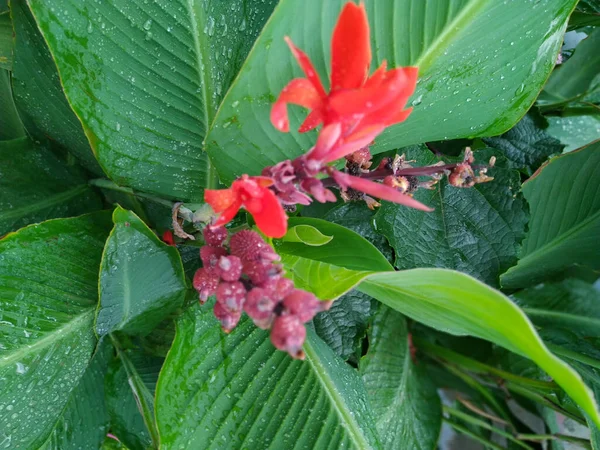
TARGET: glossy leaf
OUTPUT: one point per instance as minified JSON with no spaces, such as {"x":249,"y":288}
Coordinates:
{"x":141,"y":278}
{"x":49,"y":289}
{"x":573,"y":79}
{"x":475,"y":230}
{"x":527,"y":145}
{"x":35,"y":185}
{"x":307,"y":235}
{"x":457,"y":45}
{"x":6,"y":41}
{"x":39,"y":94}
{"x":565,"y":218}
{"x":146,"y":78}
{"x":456,"y":303}
{"x":404,"y":399}
{"x":10,"y":122}
{"x":237,"y":391}
{"x":574,"y":131}
{"x":84,"y":421}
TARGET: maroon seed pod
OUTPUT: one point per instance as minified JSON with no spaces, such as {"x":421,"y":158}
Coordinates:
{"x":206,"y":281}
{"x":302,"y":304}
{"x":280,"y":287}
{"x":249,"y":246}
{"x":288,"y":334}
{"x":259,"y":272}
{"x":227,"y":318}
{"x":231,"y":295}
{"x":230,"y":268}
{"x":214,"y":236}
{"x":259,"y":306}
{"x":210,"y":255}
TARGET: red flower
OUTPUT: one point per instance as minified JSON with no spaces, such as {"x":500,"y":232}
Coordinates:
{"x":254,"y":195}
{"x":357,"y":108}
{"x":168,"y":238}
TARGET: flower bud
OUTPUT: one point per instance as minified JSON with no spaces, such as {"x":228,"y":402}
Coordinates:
{"x":249,"y":246}
{"x":259,"y":306}
{"x":260,"y":272}
{"x":304,"y":305}
{"x":210,"y":255}
{"x":214,"y":236}
{"x":206,"y":281}
{"x":288,"y":334}
{"x":227,"y":318}
{"x":230,"y":268}
{"x":231,"y":295}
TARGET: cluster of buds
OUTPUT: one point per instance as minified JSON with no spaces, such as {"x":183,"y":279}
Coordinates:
{"x":245,"y":277}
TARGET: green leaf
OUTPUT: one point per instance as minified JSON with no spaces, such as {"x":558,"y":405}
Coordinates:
{"x":574,"y":131}
{"x":404,"y":399}
{"x":11,"y":126}
{"x":458,"y":46}
{"x":84,"y":421}
{"x":307,"y":235}
{"x":344,"y":325}
{"x":565,"y":218}
{"x":527,"y":145}
{"x":6,"y":41}
{"x":141,"y":278}
{"x":35,"y":185}
{"x":236,"y":390}
{"x":146,"y":80}
{"x":49,"y":289}
{"x":475,"y":230}
{"x":130,"y":386}
{"x":38,"y":92}
{"x":581,"y":20}
{"x":571,"y":81}
{"x":456,"y":303}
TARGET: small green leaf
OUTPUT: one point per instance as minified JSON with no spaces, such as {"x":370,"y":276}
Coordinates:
{"x":49,"y":290}
{"x":565,"y":218}
{"x":456,"y":303}
{"x":141,"y":278}
{"x":574,"y":131}
{"x":405,"y":401}
{"x":236,"y":390}
{"x":35,"y":185}
{"x":307,"y":235}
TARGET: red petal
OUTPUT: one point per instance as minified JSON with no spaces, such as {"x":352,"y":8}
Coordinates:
{"x":311,"y":121}
{"x":350,"y":48}
{"x":227,"y":215}
{"x":327,"y":138}
{"x":362,"y":137}
{"x":220,"y":199}
{"x":168,"y":238}
{"x":299,"y":91}
{"x":398,"y":86}
{"x":307,"y":67}
{"x":268,"y":214}
{"x":378,"y":190}
{"x":378,"y":76}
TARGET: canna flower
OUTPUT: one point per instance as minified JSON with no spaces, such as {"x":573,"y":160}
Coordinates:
{"x":253,"y":194}
{"x":357,"y":107}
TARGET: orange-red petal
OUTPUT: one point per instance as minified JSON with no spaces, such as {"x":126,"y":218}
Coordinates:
{"x":299,"y":91}
{"x":220,"y":199}
{"x":227,"y":215}
{"x":268,"y":214}
{"x":307,"y":67}
{"x":362,"y":137}
{"x":350,"y":48}
{"x":312,"y":121}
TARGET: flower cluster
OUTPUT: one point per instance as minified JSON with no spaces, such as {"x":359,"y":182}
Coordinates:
{"x":245,"y":277}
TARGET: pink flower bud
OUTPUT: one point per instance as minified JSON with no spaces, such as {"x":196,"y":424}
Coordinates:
{"x":227,"y":318}
{"x":231,"y":295}
{"x":303,"y":305}
{"x":260,"y":272}
{"x":206,"y":281}
{"x":210,"y":255}
{"x":288,"y":334}
{"x":259,"y":306}
{"x":214,"y":236}
{"x":281,"y":287}
{"x":249,"y":246}
{"x":230,"y":268}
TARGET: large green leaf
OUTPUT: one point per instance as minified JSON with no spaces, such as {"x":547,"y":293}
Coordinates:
{"x":10,"y":122}
{"x":84,"y":421}
{"x":146,"y":79}
{"x":479,"y":71}
{"x":35,"y":185}
{"x":6,"y":41}
{"x":456,"y":303}
{"x":38,"y":91}
{"x":141,"y":278}
{"x":476,"y":230}
{"x":404,"y":400}
{"x":574,"y":131}
{"x":565,"y":218}
{"x":48,"y":294}
{"x":237,"y":391}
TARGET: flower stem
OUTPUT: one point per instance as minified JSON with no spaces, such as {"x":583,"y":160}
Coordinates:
{"x":104,"y":183}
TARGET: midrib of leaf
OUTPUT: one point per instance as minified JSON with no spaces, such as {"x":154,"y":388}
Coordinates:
{"x":126,"y":292}
{"x":337,"y":401}
{"x":445,"y":38}
{"x":47,"y":340}
{"x":42,"y":204}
